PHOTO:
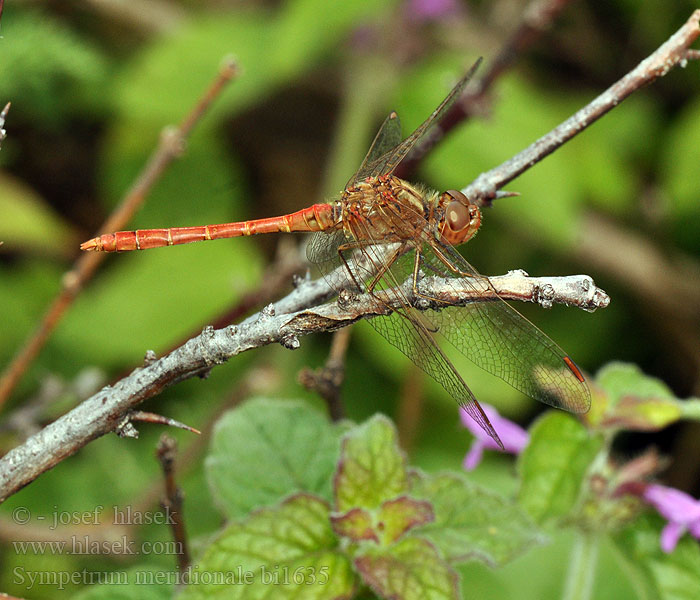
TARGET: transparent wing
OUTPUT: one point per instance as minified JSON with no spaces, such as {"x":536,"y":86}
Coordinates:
{"x":492,"y":334}
{"x":387,"y":138}
{"x":405,"y":328}
{"x":387,"y":162}
{"x":497,"y":338}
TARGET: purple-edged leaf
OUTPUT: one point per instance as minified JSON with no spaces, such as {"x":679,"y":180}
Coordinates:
{"x":410,"y":569}
{"x":288,"y":551}
{"x":554,"y":465}
{"x":642,"y":414}
{"x":471,"y":522}
{"x":635,"y":400}
{"x":372,"y":467}
{"x":356,"y":524}
{"x":400,"y":515}
{"x":384,"y":525}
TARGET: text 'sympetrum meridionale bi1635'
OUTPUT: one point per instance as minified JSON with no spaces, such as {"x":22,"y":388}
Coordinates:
{"x":384,"y":231}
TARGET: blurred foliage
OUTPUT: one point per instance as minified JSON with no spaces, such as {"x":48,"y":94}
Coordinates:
{"x":92,"y":88}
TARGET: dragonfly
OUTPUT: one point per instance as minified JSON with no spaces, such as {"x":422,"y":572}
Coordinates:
{"x":383,"y":231}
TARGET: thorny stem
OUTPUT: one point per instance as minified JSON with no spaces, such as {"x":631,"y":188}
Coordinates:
{"x":282,"y":322}
{"x":672,"y":53}
{"x":170,"y":147}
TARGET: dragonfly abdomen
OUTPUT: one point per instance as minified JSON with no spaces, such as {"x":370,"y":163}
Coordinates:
{"x":318,"y":217}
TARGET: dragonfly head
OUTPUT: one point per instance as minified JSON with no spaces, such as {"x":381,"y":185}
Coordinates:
{"x":461,"y":218}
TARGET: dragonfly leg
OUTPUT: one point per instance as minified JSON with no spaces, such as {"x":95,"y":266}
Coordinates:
{"x":448,"y":263}
{"x":384,"y":267}
{"x":416,"y":291}
{"x":342,"y":248}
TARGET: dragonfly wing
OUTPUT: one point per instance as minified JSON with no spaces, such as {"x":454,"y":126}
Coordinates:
{"x":497,"y":338}
{"x":386,"y":163}
{"x":405,"y":330}
{"x":408,"y":329}
{"x":387,"y":138}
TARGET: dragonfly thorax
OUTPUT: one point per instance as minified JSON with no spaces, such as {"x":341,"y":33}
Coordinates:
{"x":385,"y":209}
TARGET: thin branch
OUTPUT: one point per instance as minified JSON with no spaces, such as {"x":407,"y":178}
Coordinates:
{"x":149,"y":417}
{"x":673,"y":53}
{"x":328,"y":380}
{"x":170,"y":147}
{"x":173,"y":500}
{"x":105,"y":411}
{"x":537,"y":18}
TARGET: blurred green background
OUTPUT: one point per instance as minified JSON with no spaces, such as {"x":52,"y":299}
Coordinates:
{"x":92,"y":85}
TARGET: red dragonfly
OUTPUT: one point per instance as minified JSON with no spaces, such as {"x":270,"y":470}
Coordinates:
{"x":384,"y":231}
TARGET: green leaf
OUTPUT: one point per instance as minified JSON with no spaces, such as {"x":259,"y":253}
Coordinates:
{"x":26,"y":221}
{"x":384,"y":525}
{"x":623,"y":379}
{"x":48,"y":71}
{"x":372,"y":467}
{"x":554,"y":464}
{"x":269,"y":46}
{"x":636,"y":401}
{"x":403,"y":514}
{"x":356,"y":524}
{"x":680,"y":156}
{"x":268,"y":449}
{"x":288,"y":551}
{"x":472,"y":522}
{"x":667,"y":576}
{"x":411,"y":568}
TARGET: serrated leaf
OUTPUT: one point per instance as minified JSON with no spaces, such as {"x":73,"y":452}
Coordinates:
{"x":472,"y":522}
{"x":403,"y":514}
{"x":267,"y":449}
{"x":384,"y":525}
{"x":554,"y":464}
{"x":372,"y":467}
{"x":356,"y":524}
{"x":674,"y":576}
{"x":288,"y":551}
{"x":411,"y":568}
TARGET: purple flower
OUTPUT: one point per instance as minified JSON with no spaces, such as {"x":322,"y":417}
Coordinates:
{"x":681,"y":510}
{"x":514,"y":437}
{"x":431,"y":10}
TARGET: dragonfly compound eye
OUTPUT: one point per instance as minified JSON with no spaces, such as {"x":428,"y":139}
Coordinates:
{"x":457,"y":215}
{"x":461,"y":218}
{"x":458,"y":212}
